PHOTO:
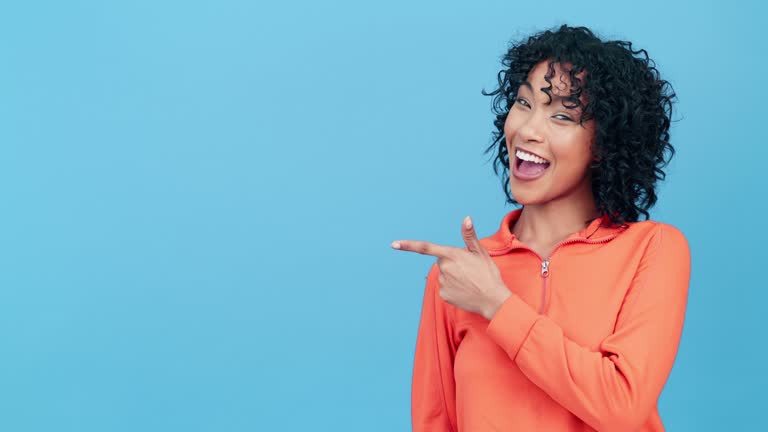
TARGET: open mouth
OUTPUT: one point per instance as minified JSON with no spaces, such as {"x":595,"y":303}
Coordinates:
{"x":529,"y":166}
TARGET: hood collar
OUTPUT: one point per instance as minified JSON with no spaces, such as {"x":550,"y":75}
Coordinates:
{"x":598,"y":228}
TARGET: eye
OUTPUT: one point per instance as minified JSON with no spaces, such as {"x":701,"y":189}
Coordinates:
{"x":522,"y":102}
{"x":562,"y":117}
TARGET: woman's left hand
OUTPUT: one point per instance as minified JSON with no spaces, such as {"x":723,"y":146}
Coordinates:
{"x":469,"y":279}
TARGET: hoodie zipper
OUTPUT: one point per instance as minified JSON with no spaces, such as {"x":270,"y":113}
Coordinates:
{"x":544,"y":274}
{"x":545,"y":263}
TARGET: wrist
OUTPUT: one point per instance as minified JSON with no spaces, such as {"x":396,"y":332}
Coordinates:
{"x":496,"y":303}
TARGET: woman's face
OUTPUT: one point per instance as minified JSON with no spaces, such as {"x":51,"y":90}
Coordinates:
{"x":549,"y":136}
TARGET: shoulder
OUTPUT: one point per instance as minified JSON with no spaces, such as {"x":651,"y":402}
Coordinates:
{"x":656,"y":235}
{"x":658,"y":228}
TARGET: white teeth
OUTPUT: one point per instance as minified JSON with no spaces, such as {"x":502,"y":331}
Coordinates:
{"x":529,"y":157}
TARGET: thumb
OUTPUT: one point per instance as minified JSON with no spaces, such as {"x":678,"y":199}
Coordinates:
{"x":470,"y":236}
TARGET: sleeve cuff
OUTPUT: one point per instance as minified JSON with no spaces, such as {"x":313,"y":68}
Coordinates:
{"x":511,"y":324}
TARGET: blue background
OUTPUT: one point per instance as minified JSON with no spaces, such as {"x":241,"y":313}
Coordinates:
{"x":197,"y":201}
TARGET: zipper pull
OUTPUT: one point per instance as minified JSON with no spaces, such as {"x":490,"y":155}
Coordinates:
{"x":545,"y":268}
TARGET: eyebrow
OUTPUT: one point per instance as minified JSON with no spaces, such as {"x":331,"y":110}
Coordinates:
{"x":553,"y":97}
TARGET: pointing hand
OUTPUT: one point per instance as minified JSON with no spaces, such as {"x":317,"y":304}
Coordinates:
{"x":469,"y":278}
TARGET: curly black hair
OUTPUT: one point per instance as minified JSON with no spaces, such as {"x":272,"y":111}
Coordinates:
{"x":630,"y":103}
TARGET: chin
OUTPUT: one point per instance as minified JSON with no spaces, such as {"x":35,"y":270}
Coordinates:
{"x":524,"y":198}
{"x":529,"y":192}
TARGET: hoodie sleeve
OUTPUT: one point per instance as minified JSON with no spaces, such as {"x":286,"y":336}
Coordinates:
{"x":616,"y":387}
{"x":433,"y":392}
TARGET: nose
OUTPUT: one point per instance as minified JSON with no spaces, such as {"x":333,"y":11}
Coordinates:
{"x":531,"y":129}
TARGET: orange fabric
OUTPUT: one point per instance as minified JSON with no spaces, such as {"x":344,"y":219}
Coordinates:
{"x":587,"y":346}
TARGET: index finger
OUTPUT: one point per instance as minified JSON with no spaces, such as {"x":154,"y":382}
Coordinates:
{"x":423,"y":247}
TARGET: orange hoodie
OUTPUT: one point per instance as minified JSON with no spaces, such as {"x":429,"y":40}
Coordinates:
{"x":586,"y":342}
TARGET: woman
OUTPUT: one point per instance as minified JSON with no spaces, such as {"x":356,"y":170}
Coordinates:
{"x":568,"y":318}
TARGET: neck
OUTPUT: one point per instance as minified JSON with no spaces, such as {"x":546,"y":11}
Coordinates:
{"x":551,"y":222}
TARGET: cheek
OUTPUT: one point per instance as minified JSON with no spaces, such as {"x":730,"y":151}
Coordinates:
{"x":574,"y":151}
{"x":510,"y":126}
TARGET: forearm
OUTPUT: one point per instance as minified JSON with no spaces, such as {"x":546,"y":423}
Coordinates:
{"x":613,"y":388}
